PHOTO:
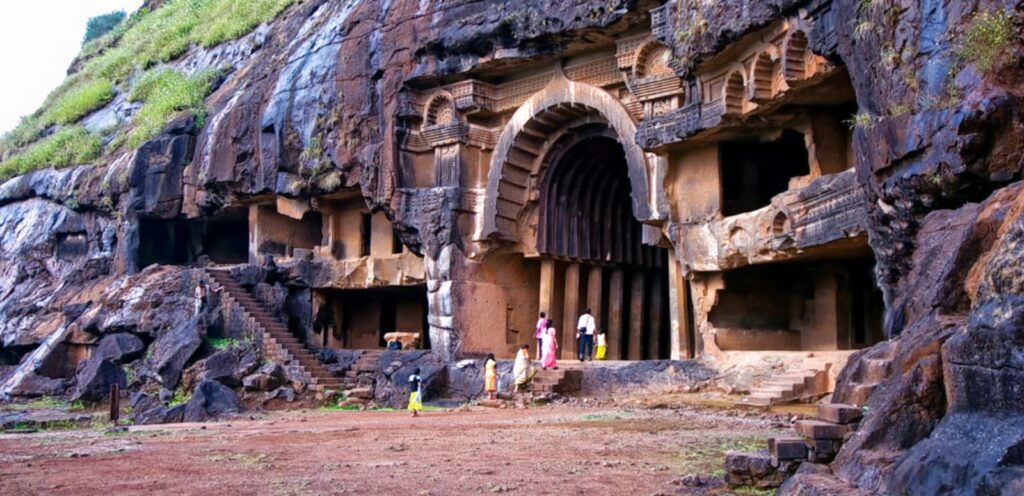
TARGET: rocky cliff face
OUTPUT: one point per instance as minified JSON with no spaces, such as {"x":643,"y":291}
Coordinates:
{"x":309,"y":103}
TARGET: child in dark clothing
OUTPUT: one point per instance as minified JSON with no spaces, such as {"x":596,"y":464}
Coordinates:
{"x":415,"y":397}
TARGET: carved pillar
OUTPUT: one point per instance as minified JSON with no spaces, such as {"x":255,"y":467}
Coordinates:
{"x":547,"y":287}
{"x":447,"y":165}
{"x":654,"y":320}
{"x":615,"y":300}
{"x":679,"y":311}
{"x":636,"y":316}
{"x":570,"y":311}
{"x":594,"y":293}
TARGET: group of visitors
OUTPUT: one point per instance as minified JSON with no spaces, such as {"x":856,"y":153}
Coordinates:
{"x":523,"y":371}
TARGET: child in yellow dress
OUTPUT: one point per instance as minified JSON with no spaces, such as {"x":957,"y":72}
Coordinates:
{"x":490,"y":376}
{"x":416,"y":397}
{"x":602,"y":345}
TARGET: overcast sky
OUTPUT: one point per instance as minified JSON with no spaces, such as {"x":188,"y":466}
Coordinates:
{"x":38,"y":39}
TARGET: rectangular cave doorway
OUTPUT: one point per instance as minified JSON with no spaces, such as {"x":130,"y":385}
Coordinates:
{"x":799,"y":306}
{"x":630,"y":303}
{"x":359,"y":318}
{"x":753,"y":172}
{"x":223,"y":238}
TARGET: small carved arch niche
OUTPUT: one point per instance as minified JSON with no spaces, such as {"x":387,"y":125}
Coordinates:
{"x":652,"y":60}
{"x":762,"y":77}
{"x":782,"y":238}
{"x":795,"y":57}
{"x":733,"y":93}
{"x":439,"y":111}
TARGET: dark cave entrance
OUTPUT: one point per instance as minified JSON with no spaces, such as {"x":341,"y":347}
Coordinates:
{"x":753,"y":172}
{"x":359,"y":318}
{"x":811,"y":306}
{"x":588,"y":233}
{"x":224,"y":238}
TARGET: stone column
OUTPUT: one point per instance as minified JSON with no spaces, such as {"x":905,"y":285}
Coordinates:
{"x":594,"y":288}
{"x":636,"y":316}
{"x":679,"y":311}
{"x":547,"y":287}
{"x":615,"y":299}
{"x":570,"y":311}
{"x":654,"y":319}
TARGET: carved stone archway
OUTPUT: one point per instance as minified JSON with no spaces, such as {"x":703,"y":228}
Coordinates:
{"x":526,"y":138}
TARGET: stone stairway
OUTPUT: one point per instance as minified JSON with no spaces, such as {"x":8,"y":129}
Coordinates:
{"x":565,"y":380}
{"x":814,"y":440}
{"x":279,"y":344}
{"x":807,"y":381}
{"x":870,"y":372}
{"x":360,"y":378}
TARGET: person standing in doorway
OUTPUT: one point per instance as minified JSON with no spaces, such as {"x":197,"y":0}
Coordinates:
{"x":542,"y":325}
{"x":200,"y":296}
{"x":550,"y":346}
{"x":585,"y":327}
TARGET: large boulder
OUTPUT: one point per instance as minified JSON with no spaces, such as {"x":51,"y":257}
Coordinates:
{"x":228,"y":366}
{"x":94,"y":379}
{"x":147,"y":409}
{"x":119,"y":348}
{"x":172,"y":350}
{"x":269,"y":376}
{"x":392,"y":382}
{"x":34,"y":385}
{"x":211,"y":400}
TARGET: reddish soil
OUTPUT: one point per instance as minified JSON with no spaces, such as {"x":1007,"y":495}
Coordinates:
{"x":550,"y":450}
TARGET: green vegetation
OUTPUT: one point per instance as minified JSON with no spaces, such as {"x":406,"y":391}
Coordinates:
{"x":222,"y":343}
{"x":78,"y":102}
{"x":41,"y":403}
{"x":69,"y":146}
{"x":102,"y":24}
{"x":708,"y":457}
{"x":862,"y":120}
{"x":179,"y":398}
{"x":109,"y":64}
{"x":753,"y":491}
{"x":166,"y":92}
{"x":987,"y":40}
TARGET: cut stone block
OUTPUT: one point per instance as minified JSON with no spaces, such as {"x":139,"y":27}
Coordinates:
{"x":818,"y":429}
{"x":786,"y":448}
{"x":839,"y":413}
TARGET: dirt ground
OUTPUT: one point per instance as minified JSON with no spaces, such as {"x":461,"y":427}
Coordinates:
{"x":620,"y":449}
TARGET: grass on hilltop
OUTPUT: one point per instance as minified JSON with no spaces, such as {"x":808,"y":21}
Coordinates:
{"x":123,"y":59}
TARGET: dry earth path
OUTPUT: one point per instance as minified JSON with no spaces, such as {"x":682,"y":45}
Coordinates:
{"x":550,"y":450}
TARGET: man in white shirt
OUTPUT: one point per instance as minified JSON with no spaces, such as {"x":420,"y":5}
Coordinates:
{"x":585,"y":328}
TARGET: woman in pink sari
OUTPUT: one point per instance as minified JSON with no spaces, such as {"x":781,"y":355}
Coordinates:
{"x":550,"y":344}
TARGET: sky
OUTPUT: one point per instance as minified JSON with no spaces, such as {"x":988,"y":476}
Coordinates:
{"x":38,"y":40}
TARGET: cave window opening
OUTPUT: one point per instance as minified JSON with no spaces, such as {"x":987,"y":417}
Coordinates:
{"x":794,"y":306}
{"x":365,"y":228}
{"x":163,"y":241}
{"x":223,"y":237}
{"x":396,"y":243}
{"x":754,"y":172}
{"x":280,"y":234}
{"x":227,"y":237}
